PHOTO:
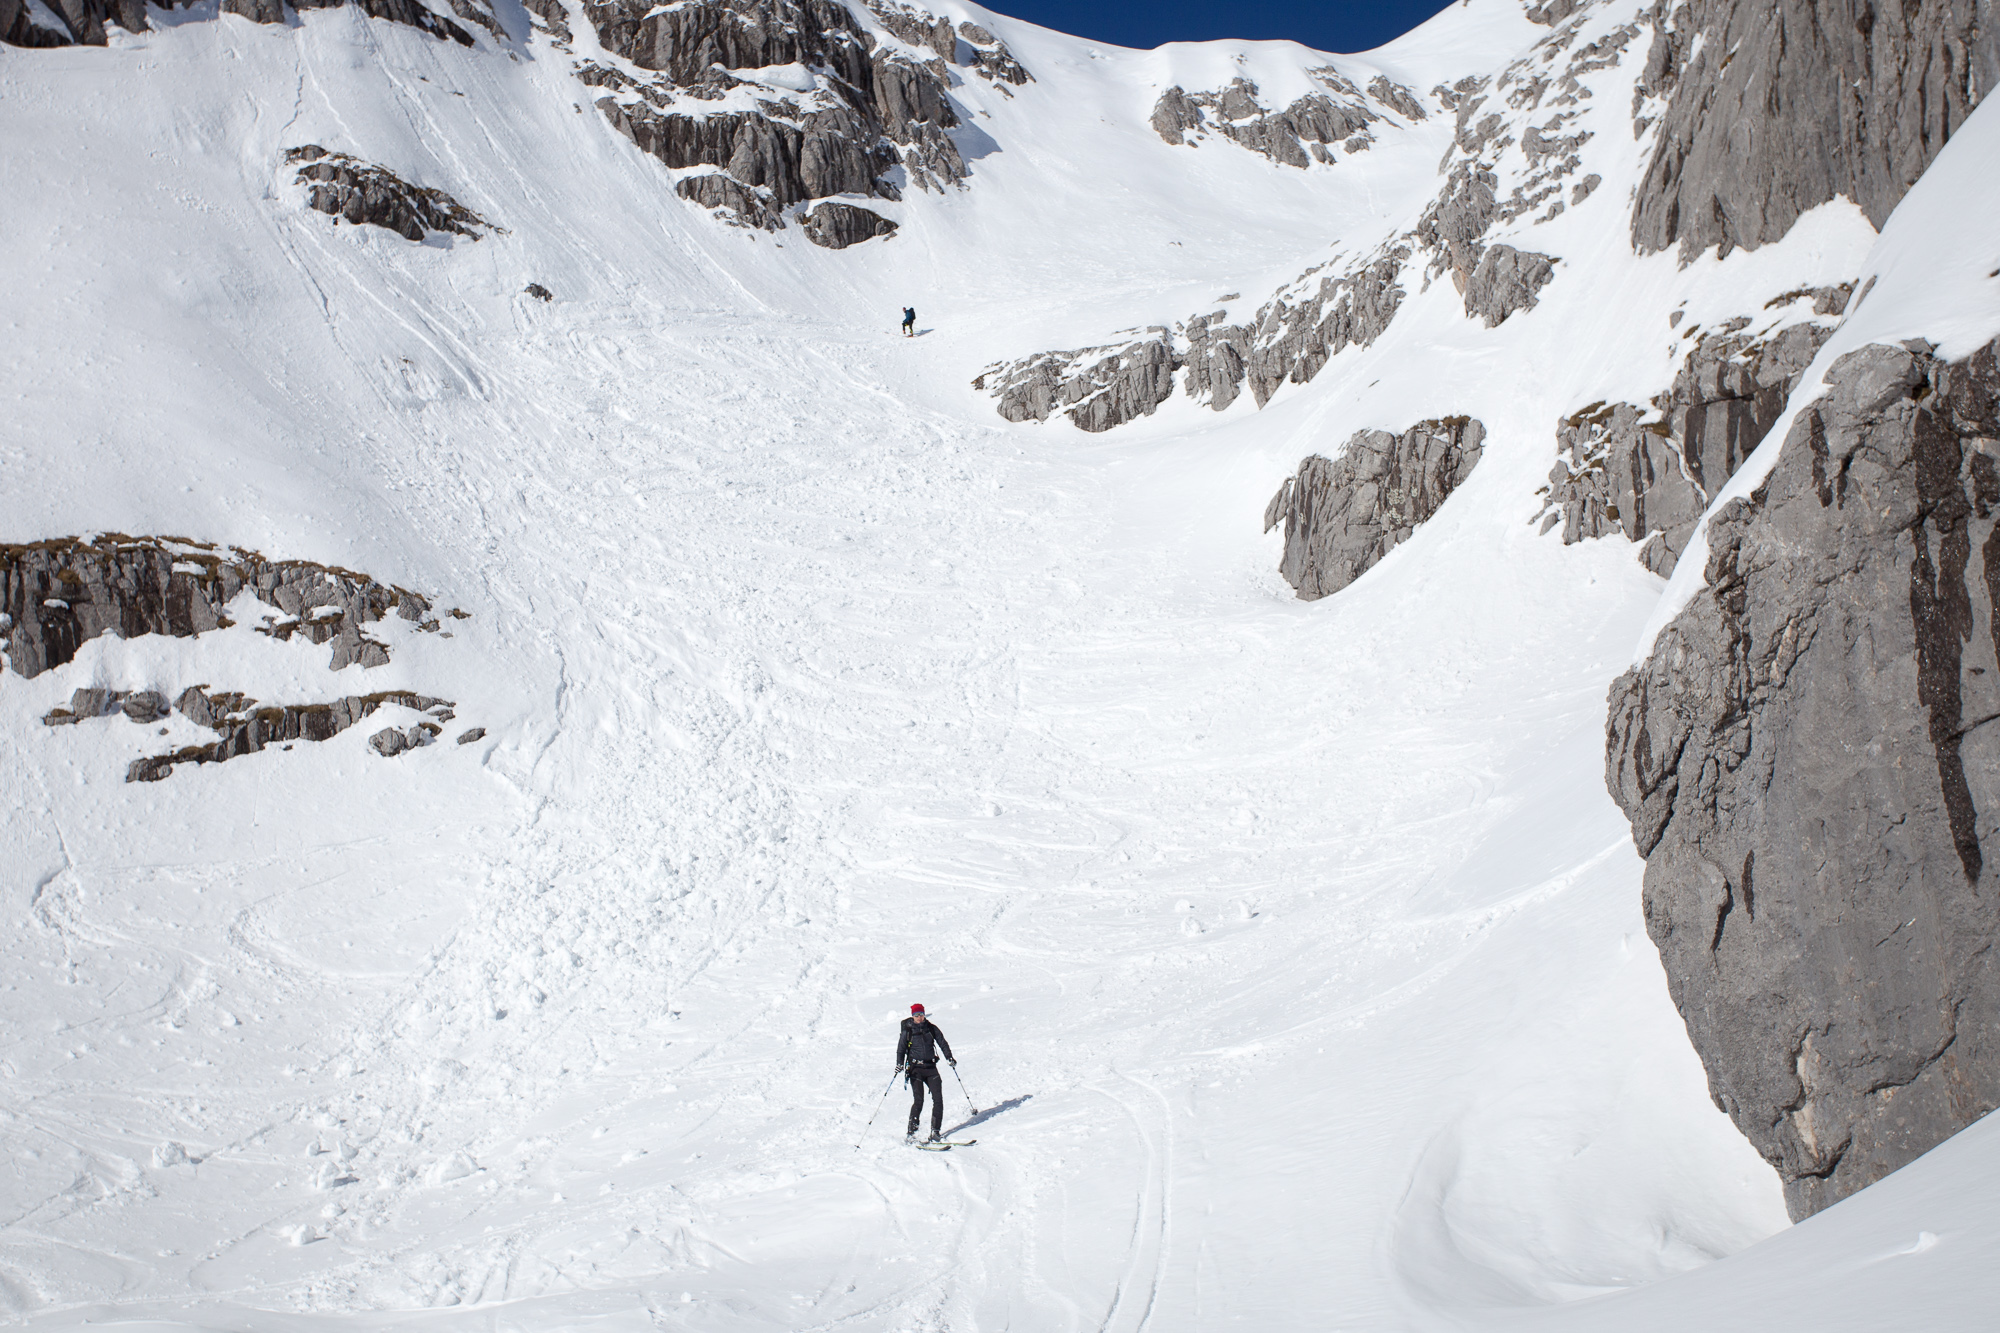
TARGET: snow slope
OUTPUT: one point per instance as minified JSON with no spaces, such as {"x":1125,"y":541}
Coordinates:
{"x":1293,"y":950}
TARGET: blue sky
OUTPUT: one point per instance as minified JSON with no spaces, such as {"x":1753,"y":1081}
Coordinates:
{"x":1330,"y":25}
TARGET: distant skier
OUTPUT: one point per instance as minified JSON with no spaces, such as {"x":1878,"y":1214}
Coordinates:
{"x":916,"y":1058}
{"x":909,"y":321}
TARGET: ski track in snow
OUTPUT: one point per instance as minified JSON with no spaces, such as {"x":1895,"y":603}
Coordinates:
{"x":1293,"y":951}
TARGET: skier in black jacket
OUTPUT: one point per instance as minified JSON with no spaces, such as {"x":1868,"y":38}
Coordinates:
{"x":916,"y":1058}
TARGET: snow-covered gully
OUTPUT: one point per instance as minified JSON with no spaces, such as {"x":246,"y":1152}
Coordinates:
{"x":1293,"y":949}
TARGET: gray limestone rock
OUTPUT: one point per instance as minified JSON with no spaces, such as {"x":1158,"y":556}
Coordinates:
{"x":918,"y":27}
{"x":56,"y":595}
{"x":741,"y":205}
{"x":68,"y":22}
{"x":1810,"y":766}
{"x":1175,"y":115}
{"x":992,"y":60}
{"x":539,"y":292}
{"x":389,"y":742}
{"x":837,"y":226}
{"x":1302,"y":328}
{"x":1729,"y":393}
{"x":1215,"y":360}
{"x":1397,"y":98}
{"x":1551,"y":12}
{"x":1454,"y":222}
{"x":1341,"y":516}
{"x":874,"y":106}
{"x":1292,"y":337}
{"x":1650,"y":474}
{"x":85,"y":703}
{"x":551,"y":17}
{"x":1281,"y":136}
{"x":144,"y":706}
{"x":1776,"y":106}
{"x":1505,"y":281}
{"x":471,"y":734}
{"x":362,"y":192}
{"x":257,"y":11}
{"x":1098,"y":387}
{"x":245,"y":726}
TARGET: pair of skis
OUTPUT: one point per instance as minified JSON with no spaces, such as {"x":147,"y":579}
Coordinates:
{"x":942,"y":1145}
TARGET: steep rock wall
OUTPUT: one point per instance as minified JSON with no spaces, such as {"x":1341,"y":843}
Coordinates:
{"x":1810,"y":762}
{"x":1769,"y":109}
{"x":867,"y":106}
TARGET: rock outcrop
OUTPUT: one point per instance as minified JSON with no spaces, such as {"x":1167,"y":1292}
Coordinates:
{"x":816,"y":106}
{"x":968,"y":45}
{"x":247,"y":727}
{"x":1098,"y":387}
{"x":82,"y":22}
{"x":1650,"y":473}
{"x":1515,"y":158}
{"x":1342,"y":515}
{"x":1505,"y":281}
{"x":1769,"y":109}
{"x":362,"y":192}
{"x":837,"y":226}
{"x":57,"y":595}
{"x":1296,"y":136}
{"x":1291,"y":337}
{"x":1810,"y":762}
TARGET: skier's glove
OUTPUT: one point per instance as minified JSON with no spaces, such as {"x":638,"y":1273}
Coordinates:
{"x":954,"y":1063}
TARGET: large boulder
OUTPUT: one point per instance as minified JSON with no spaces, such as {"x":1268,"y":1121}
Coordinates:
{"x":1342,"y":515}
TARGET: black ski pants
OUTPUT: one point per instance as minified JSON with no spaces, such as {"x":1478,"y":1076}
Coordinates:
{"x":923,"y":1076}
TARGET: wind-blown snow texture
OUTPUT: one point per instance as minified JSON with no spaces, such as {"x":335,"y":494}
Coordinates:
{"x":1294,"y":950}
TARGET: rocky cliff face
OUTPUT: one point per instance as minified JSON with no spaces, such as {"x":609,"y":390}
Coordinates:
{"x":1811,"y":767}
{"x":1768,"y":109}
{"x":1649,"y":473}
{"x":819,"y":105}
{"x":1341,"y":516}
{"x":57,"y":595}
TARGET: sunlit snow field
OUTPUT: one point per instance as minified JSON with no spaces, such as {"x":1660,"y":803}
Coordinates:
{"x":1293,"y":950}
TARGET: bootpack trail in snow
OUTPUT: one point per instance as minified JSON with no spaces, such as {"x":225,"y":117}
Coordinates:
{"x":1299,"y":944}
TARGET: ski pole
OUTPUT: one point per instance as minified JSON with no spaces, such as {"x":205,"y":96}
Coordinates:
{"x":878,"y":1108}
{"x":962,"y":1088}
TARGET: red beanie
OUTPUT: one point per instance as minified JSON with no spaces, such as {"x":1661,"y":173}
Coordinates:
{"x":916,"y":1009}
